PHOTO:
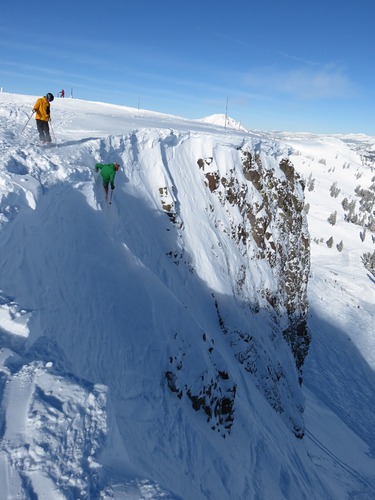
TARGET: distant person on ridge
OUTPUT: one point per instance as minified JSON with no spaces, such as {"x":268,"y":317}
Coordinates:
{"x":108,"y":173}
{"x":62,"y":93}
{"x":43,"y":116}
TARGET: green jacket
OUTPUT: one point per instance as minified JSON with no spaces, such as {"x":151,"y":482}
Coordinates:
{"x":108,"y":172}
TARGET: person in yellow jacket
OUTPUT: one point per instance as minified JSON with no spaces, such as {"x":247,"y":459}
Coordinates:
{"x":43,"y":116}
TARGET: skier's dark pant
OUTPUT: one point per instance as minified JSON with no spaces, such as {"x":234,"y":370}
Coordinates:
{"x":43,"y":129}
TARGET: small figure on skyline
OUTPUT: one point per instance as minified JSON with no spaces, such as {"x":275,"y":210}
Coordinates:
{"x":62,"y":93}
{"x":108,"y":173}
{"x":43,"y":116}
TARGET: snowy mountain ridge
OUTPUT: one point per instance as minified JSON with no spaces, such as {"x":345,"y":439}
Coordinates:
{"x":154,"y":348}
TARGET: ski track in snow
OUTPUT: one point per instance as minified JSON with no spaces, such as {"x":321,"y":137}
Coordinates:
{"x":76,"y":419}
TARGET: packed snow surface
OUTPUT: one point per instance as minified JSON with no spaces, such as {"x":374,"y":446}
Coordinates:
{"x":93,"y":297}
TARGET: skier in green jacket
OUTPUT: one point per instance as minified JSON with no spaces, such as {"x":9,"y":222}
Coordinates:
{"x":108,"y":172}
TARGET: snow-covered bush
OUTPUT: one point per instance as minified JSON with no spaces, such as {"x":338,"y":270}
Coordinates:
{"x":368,"y":260}
{"x":334,"y":191}
{"x":345,"y":204}
{"x":332,"y":218}
{"x":310,"y":183}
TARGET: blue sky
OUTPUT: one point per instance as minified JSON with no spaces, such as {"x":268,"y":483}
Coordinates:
{"x":291,"y":65}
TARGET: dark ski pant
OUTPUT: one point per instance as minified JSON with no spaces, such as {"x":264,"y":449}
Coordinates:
{"x":43,"y":129}
{"x":105,"y":185}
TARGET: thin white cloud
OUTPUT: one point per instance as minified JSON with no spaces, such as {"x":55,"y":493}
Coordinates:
{"x":326,"y":82}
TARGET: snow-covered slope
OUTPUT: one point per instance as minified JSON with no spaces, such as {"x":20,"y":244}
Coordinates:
{"x":223,"y":121}
{"x":119,"y":321}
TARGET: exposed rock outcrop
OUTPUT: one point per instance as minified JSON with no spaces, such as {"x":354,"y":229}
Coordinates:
{"x":262,"y":196}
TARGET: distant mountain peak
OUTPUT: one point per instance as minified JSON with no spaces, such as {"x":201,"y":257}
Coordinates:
{"x":223,"y":121}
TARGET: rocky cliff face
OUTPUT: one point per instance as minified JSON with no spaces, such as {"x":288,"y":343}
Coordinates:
{"x":256,"y":201}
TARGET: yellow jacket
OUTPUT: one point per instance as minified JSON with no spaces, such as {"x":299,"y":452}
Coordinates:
{"x":42,"y":109}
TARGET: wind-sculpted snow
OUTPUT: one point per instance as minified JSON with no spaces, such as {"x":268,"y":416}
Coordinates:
{"x":54,"y":428}
{"x":155,"y":347}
